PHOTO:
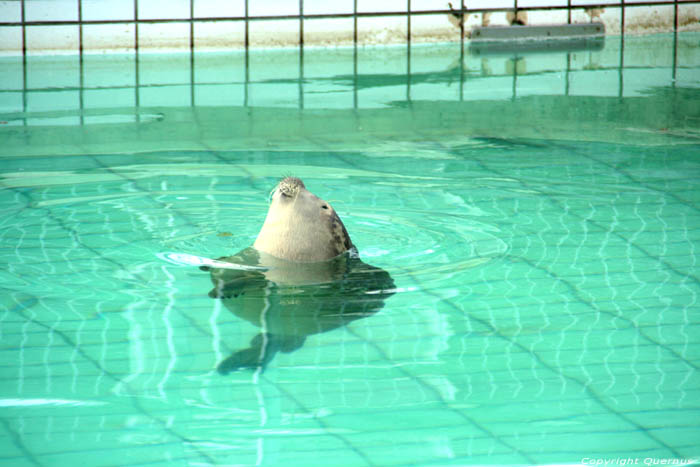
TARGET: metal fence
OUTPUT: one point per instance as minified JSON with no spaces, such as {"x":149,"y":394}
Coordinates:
{"x":23,"y":17}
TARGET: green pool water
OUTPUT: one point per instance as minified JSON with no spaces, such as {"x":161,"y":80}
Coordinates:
{"x":539,"y":215}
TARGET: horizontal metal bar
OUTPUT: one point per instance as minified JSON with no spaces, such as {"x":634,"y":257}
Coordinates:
{"x":338,"y":15}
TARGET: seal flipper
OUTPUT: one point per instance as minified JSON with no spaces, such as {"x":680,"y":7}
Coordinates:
{"x":209,"y":268}
{"x":263,"y":348}
{"x":258,"y":355}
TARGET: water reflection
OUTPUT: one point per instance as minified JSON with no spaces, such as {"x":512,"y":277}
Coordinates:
{"x":299,"y":99}
{"x":290,"y":301}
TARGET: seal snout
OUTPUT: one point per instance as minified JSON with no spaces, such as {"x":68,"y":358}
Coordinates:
{"x":289,"y":187}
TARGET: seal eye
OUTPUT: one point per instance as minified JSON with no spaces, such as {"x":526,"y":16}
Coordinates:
{"x":285,"y":194}
{"x":324,"y":206}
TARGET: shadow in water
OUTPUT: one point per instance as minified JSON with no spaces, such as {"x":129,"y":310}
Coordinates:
{"x":290,"y":301}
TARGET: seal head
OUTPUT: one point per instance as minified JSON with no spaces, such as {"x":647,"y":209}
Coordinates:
{"x":300,"y":226}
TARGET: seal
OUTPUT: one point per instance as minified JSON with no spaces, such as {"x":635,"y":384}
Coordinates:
{"x":290,"y":301}
{"x":300,"y":226}
{"x":302,"y":276}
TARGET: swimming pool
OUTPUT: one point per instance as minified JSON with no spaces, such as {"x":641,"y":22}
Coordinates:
{"x":538,"y":213}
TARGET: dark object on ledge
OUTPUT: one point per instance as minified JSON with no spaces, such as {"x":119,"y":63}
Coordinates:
{"x":499,"y":39}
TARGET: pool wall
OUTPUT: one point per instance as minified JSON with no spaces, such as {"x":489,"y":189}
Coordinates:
{"x":72,"y":26}
{"x":136,"y":103}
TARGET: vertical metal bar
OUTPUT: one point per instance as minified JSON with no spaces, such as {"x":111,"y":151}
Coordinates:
{"x":408,"y":21}
{"x":24,"y":62}
{"x":136,"y":27}
{"x":675,"y":16}
{"x":191,"y":25}
{"x":80,"y":30}
{"x":301,"y":23}
{"x":463,"y":17}
{"x":675,"y":43}
{"x":246,"y":40}
{"x":137,"y":79}
{"x":301,"y":54}
{"x":81,"y":64}
{"x":463,"y":14}
{"x":354,"y":57}
{"x":568,"y":10}
{"x":247,"y":31}
{"x":408,"y":52}
{"x":622,"y":18}
{"x":408,"y":57}
{"x":192,"y":98}
{"x":24,"y":28}
{"x":354,"y":29}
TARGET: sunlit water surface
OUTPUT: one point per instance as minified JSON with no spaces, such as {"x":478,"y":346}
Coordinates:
{"x":539,"y":216}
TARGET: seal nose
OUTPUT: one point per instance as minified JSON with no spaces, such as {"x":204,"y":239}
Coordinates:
{"x":289,"y":187}
{"x":293,"y":182}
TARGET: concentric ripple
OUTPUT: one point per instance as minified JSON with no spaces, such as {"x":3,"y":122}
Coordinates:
{"x":450,"y":236}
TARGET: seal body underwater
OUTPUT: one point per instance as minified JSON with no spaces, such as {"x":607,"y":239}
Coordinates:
{"x":302,"y":276}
